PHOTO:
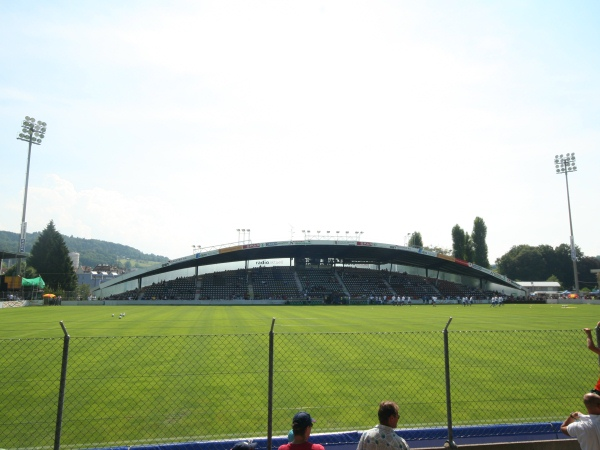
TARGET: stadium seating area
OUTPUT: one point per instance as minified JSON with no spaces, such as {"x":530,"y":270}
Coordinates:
{"x":274,"y":283}
{"x":319,"y":282}
{"x":364,"y":283}
{"x":228,"y":285}
{"x":299,"y":285}
{"x":414,"y":286}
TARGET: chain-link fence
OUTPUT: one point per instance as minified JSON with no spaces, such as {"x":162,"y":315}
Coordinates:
{"x":158,"y":389}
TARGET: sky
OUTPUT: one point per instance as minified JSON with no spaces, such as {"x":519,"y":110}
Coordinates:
{"x":173,"y":124}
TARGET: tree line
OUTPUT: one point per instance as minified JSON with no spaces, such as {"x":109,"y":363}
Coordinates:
{"x":49,"y":258}
{"x":521,"y":262}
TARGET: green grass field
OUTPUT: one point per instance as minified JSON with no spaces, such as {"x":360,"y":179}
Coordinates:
{"x":191,"y":320}
{"x":178,"y":373}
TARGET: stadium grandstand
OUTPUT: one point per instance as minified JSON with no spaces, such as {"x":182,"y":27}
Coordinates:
{"x":309,"y":271}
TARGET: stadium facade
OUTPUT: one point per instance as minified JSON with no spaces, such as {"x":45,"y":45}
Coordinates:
{"x":312,"y":253}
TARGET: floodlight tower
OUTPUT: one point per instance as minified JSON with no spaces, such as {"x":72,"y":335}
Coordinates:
{"x":32,"y":132}
{"x":565,"y":164}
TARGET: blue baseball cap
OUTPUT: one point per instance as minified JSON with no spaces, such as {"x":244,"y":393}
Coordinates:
{"x":302,"y":420}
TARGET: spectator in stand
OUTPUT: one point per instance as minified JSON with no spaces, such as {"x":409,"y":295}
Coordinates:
{"x":301,"y":426}
{"x":383,"y":436}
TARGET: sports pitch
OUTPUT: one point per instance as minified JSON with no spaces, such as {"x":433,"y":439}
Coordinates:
{"x":179,"y":373}
{"x":192,"y":320}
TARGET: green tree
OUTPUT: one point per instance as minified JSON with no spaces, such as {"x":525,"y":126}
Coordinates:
{"x":563,"y":265}
{"x":525,"y":263}
{"x":554,"y":278}
{"x":84,"y":291}
{"x":416,"y":240}
{"x":585,"y":265}
{"x":50,"y":257}
{"x":458,"y":242}
{"x":480,"y":248}
{"x":437,"y":249}
{"x":469,"y":249}
{"x":26,"y":271}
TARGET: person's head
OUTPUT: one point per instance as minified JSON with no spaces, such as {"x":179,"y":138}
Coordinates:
{"x":388,"y":414}
{"x":302,"y":424}
{"x":245,"y":445}
{"x":592,"y":403}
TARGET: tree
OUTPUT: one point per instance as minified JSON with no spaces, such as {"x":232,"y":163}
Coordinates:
{"x":584,"y":268}
{"x":563,"y":265}
{"x":525,"y":263}
{"x":50,"y":257}
{"x":26,"y":271}
{"x":554,"y":278}
{"x":469,"y":249}
{"x":437,"y":249}
{"x":458,"y":242}
{"x":480,"y":248}
{"x":84,"y":291}
{"x":415,"y":240}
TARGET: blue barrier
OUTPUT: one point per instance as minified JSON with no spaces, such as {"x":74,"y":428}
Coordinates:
{"x":416,"y":438}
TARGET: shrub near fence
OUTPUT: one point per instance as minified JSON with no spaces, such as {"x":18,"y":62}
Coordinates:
{"x":156,"y":389}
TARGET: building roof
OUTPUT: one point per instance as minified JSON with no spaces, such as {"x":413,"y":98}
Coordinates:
{"x":11,"y":255}
{"x":344,"y":251}
{"x":530,"y":284}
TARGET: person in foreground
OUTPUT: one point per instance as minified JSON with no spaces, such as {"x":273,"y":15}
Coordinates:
{"x":592,"y":347}
{"x":585,"y":427}
{"x":383,"y":436}
{"x":301,"y":426}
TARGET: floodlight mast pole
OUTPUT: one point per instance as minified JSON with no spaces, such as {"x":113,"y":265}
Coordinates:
{"x":33,"y":133}
{"x":566,"y":164}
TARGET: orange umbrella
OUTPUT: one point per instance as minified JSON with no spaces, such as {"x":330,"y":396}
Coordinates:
{"x":48,"y":295}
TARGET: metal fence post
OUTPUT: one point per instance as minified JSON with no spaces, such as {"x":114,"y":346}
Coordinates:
{"x":61,"y":392}
{"x":450,"y":442}
{"x":270,"y":399}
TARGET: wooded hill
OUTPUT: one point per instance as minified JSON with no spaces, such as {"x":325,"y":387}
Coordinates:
{"x":91,"y":251}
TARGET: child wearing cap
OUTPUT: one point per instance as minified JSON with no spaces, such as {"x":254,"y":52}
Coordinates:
{"x":301,"y":426}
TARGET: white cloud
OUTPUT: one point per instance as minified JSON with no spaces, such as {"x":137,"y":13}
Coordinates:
{"x":172,"y":125}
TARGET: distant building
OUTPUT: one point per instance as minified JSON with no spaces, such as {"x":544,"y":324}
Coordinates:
{"x":75,"y":260}
{"x":541,"y":288}
{"x":94,"y":276}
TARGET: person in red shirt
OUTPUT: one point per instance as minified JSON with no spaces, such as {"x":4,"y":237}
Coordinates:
{"x":302,"y":426}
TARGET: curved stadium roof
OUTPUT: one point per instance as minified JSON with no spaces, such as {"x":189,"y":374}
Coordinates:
{"x":347,"y":252}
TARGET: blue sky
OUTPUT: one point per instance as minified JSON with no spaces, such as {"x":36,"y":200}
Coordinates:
{"x":172,"y":124}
